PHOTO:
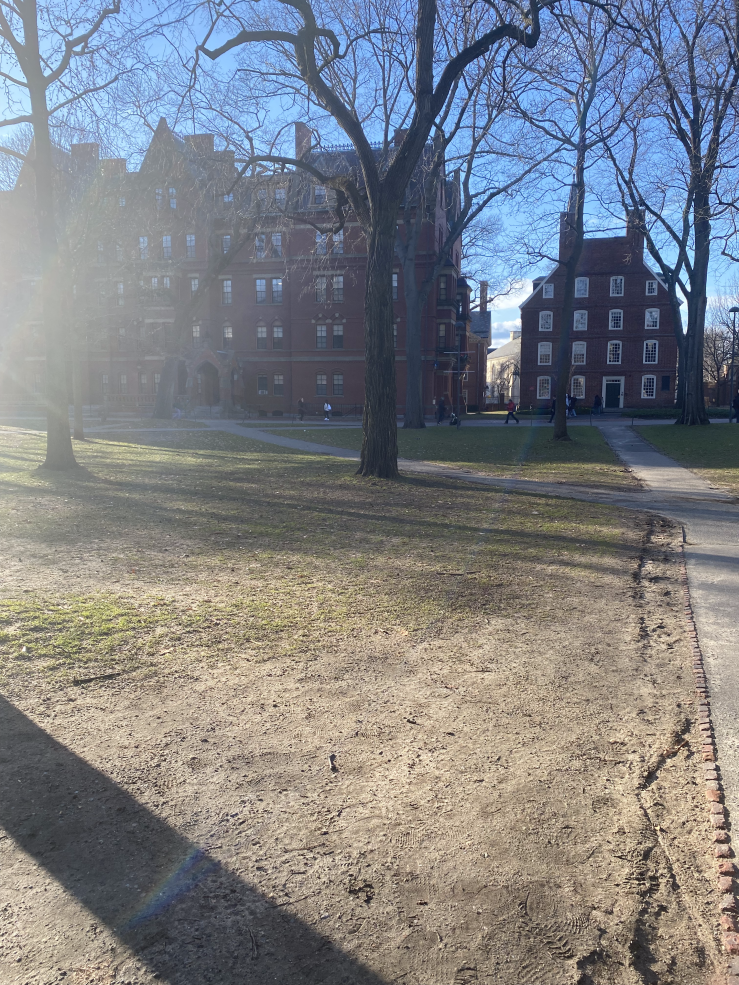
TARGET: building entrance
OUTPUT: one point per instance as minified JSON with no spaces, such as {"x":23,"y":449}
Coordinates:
{"x":208,"y":388}
{"x":612,"y":396}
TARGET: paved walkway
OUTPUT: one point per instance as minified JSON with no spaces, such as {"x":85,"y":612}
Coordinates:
{"x":710,"y":519}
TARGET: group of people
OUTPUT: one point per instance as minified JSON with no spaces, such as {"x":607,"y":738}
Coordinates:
{"x":326,"y":410}
{"x":571,"y":406}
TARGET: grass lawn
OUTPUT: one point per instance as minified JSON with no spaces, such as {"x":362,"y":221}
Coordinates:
{"x":524,"y":452}
{"x":364,"y":731}
{"x":712,"y":452}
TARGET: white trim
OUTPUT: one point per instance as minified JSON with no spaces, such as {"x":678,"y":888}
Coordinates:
{"x":611,"y":313}
{"x":651,"y":362}
{"x":551,"y":321}
{"x":583,"y":318}
{"x":539,"y":380}
{"x":649,"y":376}
{"x":548,"y":348}
{"x":579,"y":281}
{"x":622,"y":292}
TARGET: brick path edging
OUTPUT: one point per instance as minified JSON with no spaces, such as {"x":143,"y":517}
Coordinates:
{"x":718,"y":815}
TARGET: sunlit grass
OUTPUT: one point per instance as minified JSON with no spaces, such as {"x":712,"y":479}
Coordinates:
{"x":711,"y":451}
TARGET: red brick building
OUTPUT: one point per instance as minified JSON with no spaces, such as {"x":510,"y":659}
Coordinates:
{"x":281,"y":320}
{"x":622,"y":343}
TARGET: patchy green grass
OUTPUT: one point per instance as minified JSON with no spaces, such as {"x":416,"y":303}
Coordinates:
{"x":712,"y":451}
{"x":208,"y":546}
{"x":516,"y":450}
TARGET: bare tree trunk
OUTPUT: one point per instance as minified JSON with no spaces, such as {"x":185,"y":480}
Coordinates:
{"x":694,"y":406}
{"x":568,"y":307}
{"x":380,"y":428}
{"x":165,"y":391}
{"x":414,"y":416}
{"x":79,"y":428}
{"x":59,"y":453}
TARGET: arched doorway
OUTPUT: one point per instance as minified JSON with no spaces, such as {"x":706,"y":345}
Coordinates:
{"x":207,"y":386}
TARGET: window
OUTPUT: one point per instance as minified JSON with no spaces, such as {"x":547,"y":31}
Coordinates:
{"x":104,"y":384}
{"x":320,"y":336}
{"x":321,"y":243}
{"x":650,"y":351}
{"x":278,"y":384}
{"x":119,"y":252}
{"x":158,"y":197}
{"x":101,"y":251}
{"x":261,"y":336}
{"x":226,"y":243}
{"x":276,"y":244}
{"x":261,"y":286}
{"x":124,"y":383}
{"x":577,"y":387}
{"x":442,"y":288}
{"x":119,"y":293}
{"x":196,"y":331}
{"x":442,"y":335}
{"x":190,"y":243}
{"x":582,"y":286}
{"x":277,"y":336}
{"x":547,"y":291}
{"x":338,"y":338}
{"x":228,"y":334}
{"x":579,"y":350}
{"x":259,"y":244}
{"x":193,"y":285}
{"x":262,"y":388}
{"x":665,"y":384}
{"x":157,"y":380}
{"x":614,"y":353}
{"x":395,"y":287}
{"x":173,"y":198}
{"x":651,"y":318}
{"x":280,"y":197}
{"x":648,"y":387}
{"x":262,"y":197}
{"x":154,"y":283}
{"x":144,"y":247}
{"x":546,"y":318}
{"x":228,"y":197}
{"x":545,"y":353}
{"x":225,"y":292}
{"x":319,"y":194}
{"x":581,"y":321}
{"x":651,"y":287}
{"x":338,"y":385}
{"x":337,"y":242}
{"x":615,"y":320}
{"x":395,"y":335}
{"x":277,"y":290}
{"x":142,"y":382}
{"x":167,"y":247}
{"x":617,"y":287}
{"x":122,"y":202}
{"x":121,"y":331}
{"x":321,"y":388}
{"x":321,"y":288}
{"x":543,"y":387}
{"x":165,"y":283}
{"x":337,"y":287}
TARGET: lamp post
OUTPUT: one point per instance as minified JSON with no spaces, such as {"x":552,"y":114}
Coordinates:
{"x":733,"y":312}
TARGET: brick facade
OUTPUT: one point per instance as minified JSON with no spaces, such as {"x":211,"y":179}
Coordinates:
{"x":622,"y":343}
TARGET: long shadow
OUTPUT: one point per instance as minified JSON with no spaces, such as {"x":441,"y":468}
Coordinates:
{"x":187,"y":917}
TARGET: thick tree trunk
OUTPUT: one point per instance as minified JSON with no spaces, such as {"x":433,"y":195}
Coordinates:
{"x":79,"y":427}
{"x":414,"y":416}
{"x":59,"y":453}
{"x":379,"y":456}
{"x":564,"y":360}
{"x":165,"y":392}
{"x":694,"y":406}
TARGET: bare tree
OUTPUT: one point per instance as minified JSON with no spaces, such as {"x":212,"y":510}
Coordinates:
{"x":675,"y":159}
{"x":319,"y":57}
{"x":51,"y":59}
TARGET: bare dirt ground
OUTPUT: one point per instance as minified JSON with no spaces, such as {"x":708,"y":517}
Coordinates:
{"x":362,"y":733}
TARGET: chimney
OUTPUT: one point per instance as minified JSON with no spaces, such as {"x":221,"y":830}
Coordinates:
{"x":399,"y":137}
{"x":635,"y":232}
{"x":483,"y":296}
{"x":567,"y":226}
{"x":303,"y":138}
{"x":85,"y":157}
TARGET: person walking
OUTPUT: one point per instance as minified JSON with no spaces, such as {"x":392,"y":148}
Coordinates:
{"x":301,"y":408}
{"x":327,"y":411}
{"x":597,"y":404}
{"x":440,"y":411}
{"x":735,"y":405}
{"x":567,"y":405}
{"x":511,"y":408}
{"x":554,"y":407}
{"x":573,"y":404}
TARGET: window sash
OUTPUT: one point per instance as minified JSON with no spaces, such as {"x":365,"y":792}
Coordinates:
{"x":582,"y":287}
{"x":648,"y":387}
{"x":338,"y":337}
{"x":650,"y":351}
{"x":321,"y":385}
{"x":651,"y":319}
{"x":580,"y":322}
{"x":577,"y":387}
{"x":546,"y":321}
{"x":579,"y":351}
{"x":321,"y":337}
{"x":617,"y":287}
{"x":547,"y":291}
{"x":338,"y":385}
{"x":277,"y":290}
{"x":261,"y":290}
{"x":615,"y":320}
{"x":337,"y":287}
{"x":614,"y":354}
{"x":262,"y":386}
{"x":543,"y":387}
{"x":545,"y":353}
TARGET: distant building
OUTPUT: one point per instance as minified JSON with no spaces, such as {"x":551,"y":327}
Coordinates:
{"x":504,"y":372}
{"x":622,"y":343}
{"x":281,"y":320}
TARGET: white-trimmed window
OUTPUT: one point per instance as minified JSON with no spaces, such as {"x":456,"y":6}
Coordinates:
{"x":580,"y":321}
{"x":579,"y":351}
{"x":166,"y":247}
{"x":320,"y":336}
{"x":337,"y":287}
{"x":262,"y":386}
{"x":321,"y":385}
{"x":547,"y":291}
{"x":338,"y":384}
{"x":196,"y":331}
{"x":278,"y":384}
{"x":261,"y":288}
{"x":648,"y":387}
{"x":651,"y":319}
{"x":338,"y":339}
{"x":276,"y":244}
{"x":651,"y":288}
{"x":277,"y":336}
{"x":144,"y":247}
{"x":543,"y":387}
{"x":545,"y":353}
{"x":582,"y":287}
{"x":260,"y":246}
{"x":651,"y":347}
{"x":261,"y":336}
{"x":577,"y":387}
{"x":617,"y":287}
{"x":546,"y":320}
{"x":615,"y":320}
{"x":190,"y":245}
{"x":319,"y":194}
{"x":277,"y":290}
{"x":228,"y":334}
{"x":225,"y":292}
{"x":321,"y":243}
{"x":614,"y":354}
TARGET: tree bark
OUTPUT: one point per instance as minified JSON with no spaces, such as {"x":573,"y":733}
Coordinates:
{"x":564,"y":361}
{"x":414,"y":416}
{"x":79,"y":427}
{"x":693,"y":410}
{"x":165,"y":392}
{"x":379,"y":455}
{"x":59,"y":452}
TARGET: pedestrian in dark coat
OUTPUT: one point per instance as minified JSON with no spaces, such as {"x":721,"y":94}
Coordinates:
{"x":440,"y":410}
{"x":554,"y":407}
